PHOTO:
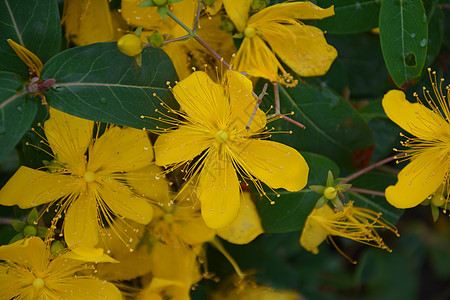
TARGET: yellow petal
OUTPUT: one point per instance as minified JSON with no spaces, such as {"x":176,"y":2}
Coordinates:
{"x":313,"y":234}
{"x":90,"y":289}
{"x":134,"y":15}
{"x":69,"y":138}
{"x":414,"y":117}
{"x":304,"y":10}
{"x":190,"y":226}
{"x":87,"y":22}
{"x":149,"y":182}
{"x":28,"y":188}
{"x":418,"y":180}
{"x":178,"y":54}
{"x":81,"y":226}
{"x":185,"y":11}
{"x":243,"y":103}
{"x":238,"y":12}
{"x":121,"y":201}
{"x":29,"y":58}
{"x":277,"y":165}
{"x":247,"y":225}
{"x":256,"y":59}
{"x":103,"y":258}
{"x":30,"y":252}
{"x":120,"y":150}
{"x":214,"y":9}
{"x":203,"y":100}
{"x":302,"y":47}
{"x":180,"y":145}
{"x":219,"y":193}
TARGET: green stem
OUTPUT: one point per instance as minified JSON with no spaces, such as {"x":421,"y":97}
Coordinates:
{"x":216,"y":243}
{"x":170,"y":14}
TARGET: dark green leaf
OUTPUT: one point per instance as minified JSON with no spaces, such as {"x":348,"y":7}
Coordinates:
{"x":17,"y":237}
{"x":17,"y":112}
{"x":42,"y":232}
{"x":291,"y":209}
{"x":99,"y":83}
{"x":18,"y":225}
{"x":333,"y":127}
{"x":33,"y":217}
{"x":435,"y":31}
{"x":350,"y":16}
{"x":32,"y":24}
{"x":404,"y":38}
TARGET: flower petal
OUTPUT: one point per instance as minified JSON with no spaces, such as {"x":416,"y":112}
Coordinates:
{"x":304,"y":10}
{"x":90,"y":289}
{"x":28,"y":188}
{"x":203,"y":100}
{"x":256,"y":59}
{"x":121,"y":201}
{"x":418,"y":180}
{"x":247,"y":225}
{"x":414,"y":117}
{"x":69,"y":137}
{"x":238,"y":12}
{"x":88,"y":22}
{"x":302,"y":47}
{"x":134,"y":15}
{"x":30,"y":252}
{"x":81,"y":226}
{"x":243,"y":103}
{"x":149,"y":182}
{"x":190,"y":226}
{"x":180,"y":145}
{"x":277,"y":165}
{"x":313,"y":234}
{"x":120,"y":150}
{"x":219,"y":193}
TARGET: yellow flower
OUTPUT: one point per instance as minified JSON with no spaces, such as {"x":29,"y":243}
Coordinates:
{"x":238,"y":289}
{"x":87,"y":22}
{"x":355,"y":223}
{"x":29,"y":271}
{"x":215,"y":129}
{"x":428,"y":170}
{"x":85,"y":180}
{"x":302,"y":47}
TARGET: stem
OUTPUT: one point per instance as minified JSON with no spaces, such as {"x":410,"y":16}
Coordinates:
{"x":216,"y":243}
{"x":365,"y":191}
{"x":7,"y":221}
{"x":277,"y":98}
{"x":371,"y":167}
{"x":257,"y":105}
{"x":181,"y":38}
{"x":170,"y":14}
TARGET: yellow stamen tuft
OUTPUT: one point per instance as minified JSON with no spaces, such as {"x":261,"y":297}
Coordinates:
{"x":89,"y":176}
{"x":221,"y":136}
{"x":38,"y":283}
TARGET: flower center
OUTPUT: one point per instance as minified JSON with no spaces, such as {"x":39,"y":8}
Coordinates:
{"x":250,"y":32}
{"x":89,"y":176}
{"x":38,"y":283}
{"x":221,"y":136}
{"x":168,"y":218}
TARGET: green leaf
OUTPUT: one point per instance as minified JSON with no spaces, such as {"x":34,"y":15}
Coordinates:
{"x":378,"y":182}
{"x":17,"y":111}
{"x":404,"y":38}
{"x":32,"y":24}
{"x":333,"y":127}
{"x":99,"y":83}
{"x":350,"y":16}
{"x":33,"y":217}
{"x":17,"y":237}
{"x":291,"y":209}
{"x":435,"y":31}
{"x":18,"y":225}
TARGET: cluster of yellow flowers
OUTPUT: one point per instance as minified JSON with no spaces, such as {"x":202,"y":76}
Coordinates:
{"x":108,"y":188}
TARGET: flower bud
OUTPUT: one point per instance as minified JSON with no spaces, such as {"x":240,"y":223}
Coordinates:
{"x":29,"y":230}
{"x":330,"y":193}
{"x":156,"y":39}
{"x":259,"y":4}
{"x":130,"y":45}
{"x":160,"y":2}
{"x":56,"y":247}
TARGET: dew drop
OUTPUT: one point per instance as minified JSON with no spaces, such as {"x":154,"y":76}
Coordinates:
{"x":423,"y":42}
{"x":103,"y":100}
{"x":412,"y":35}
{"x":19,"y":108}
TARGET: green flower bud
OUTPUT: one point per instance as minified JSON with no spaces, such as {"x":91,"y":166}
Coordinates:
{"x":209,"y":2}
{"x":156,"y":39}
{"x":330,"y":193}
{"x":130,"y":45}
{"x":259,"y":4}
{"x":56,"y":247}
{"x":160,"y":2}
{"x":227,"y":25}
{"x":29,"y":230}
